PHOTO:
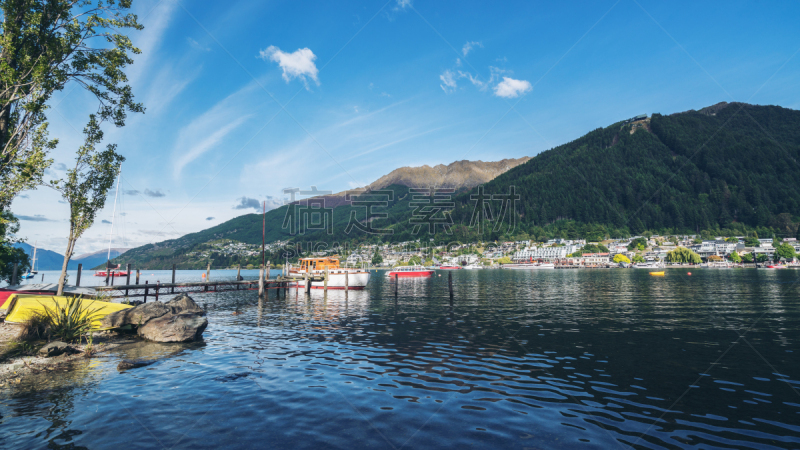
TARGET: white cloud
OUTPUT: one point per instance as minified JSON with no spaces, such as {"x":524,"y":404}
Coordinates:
{"x":449,"y":83}
{"x":403,"y":4}
{"x":197,"y":45}
{"x":299,"y":64}
{"x":511,"y":88}
{"x":469,"y":46}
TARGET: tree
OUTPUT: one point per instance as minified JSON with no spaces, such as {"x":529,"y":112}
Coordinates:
{"x":86,"y":187}
{"x":751,"y":241}
{"x":45,"y":45}
{"x":414,"y":261}
{"x":683,"y":255}
{"x":784,"y":251}
{"x":377,"y":258}
{"x":637,"y":258}
{"x":9,"y":255}
{"x":747,"y":257}
{"x":762,"y":257}
{"x":504,"y":260}
{"x":735,"y":257}
{"x":620,"y":258}
{"x":638,"y":244}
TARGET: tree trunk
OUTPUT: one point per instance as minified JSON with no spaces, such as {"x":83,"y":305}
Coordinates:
{"x":67,"y":257}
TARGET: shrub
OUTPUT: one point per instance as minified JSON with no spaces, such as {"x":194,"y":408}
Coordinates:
{"x":71,"y":321}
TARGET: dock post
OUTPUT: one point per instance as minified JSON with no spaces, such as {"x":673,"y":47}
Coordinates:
{"x":450,"y":286}
{"x":307,"y":283}
{"x":267,"y":272}
{"x":325,"y":282}
{"x":128,"y":276}
{"x":137,"y":276}
{"x":78,"y":278}
{"x":261,"y":283}
{"x":14,"y":274}
{"x":112,"y":281}
{"x":238,"y":272}
{"x":208,"y":272}
{"x":346,"y":281}
{"x":145,"y":291}
{"x":172,"y":291}
{"x":108,"y":272}
{"x":395,"y":285}
{"x":158,"y":285}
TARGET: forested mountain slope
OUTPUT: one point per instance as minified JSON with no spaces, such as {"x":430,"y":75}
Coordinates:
{"x":726,"y":169}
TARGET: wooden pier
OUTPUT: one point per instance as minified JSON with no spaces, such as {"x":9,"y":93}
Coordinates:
{"x":154,"y":290}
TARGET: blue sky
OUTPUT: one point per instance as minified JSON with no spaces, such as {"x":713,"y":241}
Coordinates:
{"x":245,"y":98}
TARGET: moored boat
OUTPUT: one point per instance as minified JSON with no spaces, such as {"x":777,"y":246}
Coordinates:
{"x":316,"y":267}
{"x":450,"y":267}
{"x":410,"y":272}
{"x":529,"y":266}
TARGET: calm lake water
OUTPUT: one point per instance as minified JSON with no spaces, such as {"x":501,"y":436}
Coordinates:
{"x":541,"y":359}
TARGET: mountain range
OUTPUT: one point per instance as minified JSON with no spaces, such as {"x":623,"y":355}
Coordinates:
{"x":730,"y":169}
{"x":50,"y":260}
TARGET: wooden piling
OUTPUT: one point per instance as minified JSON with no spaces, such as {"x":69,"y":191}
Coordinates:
{"x":261,"y":283}
{"x":112,"y":281}
{"x":208,"y":272}
{"x":325,"y":282}
{"x":145,"y":290}
{"x":14,"y":274}
{"x":238,"y":272}
{"x":346,"y":281}
{"x":307,"y":283}
{"x":450,"y":286}
{"x":107,"y":272}
{"x":137,"y":276}
{"x":267,"y":271}
{"x":172,"y":291}
{"x":78,"y":278}
{"x":127,"y":277}
{"x":158,"y":286}
{"x":395,"y":285}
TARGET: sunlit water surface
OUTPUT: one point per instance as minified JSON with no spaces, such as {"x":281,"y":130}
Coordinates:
{"x":541,"y":359}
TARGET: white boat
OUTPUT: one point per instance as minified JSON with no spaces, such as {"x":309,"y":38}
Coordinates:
{"x":648,"y":265}
{"x":529,"y":266}
{"x":355,"y":279}
{"x":473,"y":267}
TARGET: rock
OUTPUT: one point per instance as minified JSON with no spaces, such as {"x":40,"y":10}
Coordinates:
{"x":138,"y":315}
{"x":57,"y":348}
{"x":174,"y":328}
{"x":126,"y":364}
{"x":183,"y":304}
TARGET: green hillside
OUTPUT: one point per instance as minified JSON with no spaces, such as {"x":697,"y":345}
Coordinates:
{"x":728,"y":169}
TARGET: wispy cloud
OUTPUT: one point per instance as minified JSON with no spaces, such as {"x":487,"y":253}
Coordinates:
{"x":35,"y":218}
{"x":209,"y":218}
{"x":155,"y":194}
{"x":449,"y":83}
{"x":247,"y":203}
{"x":196,"y":45}
{"x":469,"y":46}
{"x":298,"y":64}
{"x":402,"y":4}
{"x":131,"y":192}
{"x":511,"y":88}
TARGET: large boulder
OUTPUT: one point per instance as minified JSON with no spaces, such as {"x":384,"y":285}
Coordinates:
{"x":183,"y":304}
{"x":174,"y":328}
{"x":138,"y":315}
{"x":57,"y":348}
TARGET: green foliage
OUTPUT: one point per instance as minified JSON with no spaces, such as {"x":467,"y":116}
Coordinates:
{"x":86,"y":186}
{"x":504,"y":260}
{"x":638,"y":244}
{"x":47,"y":44}
{"x":751,"y":242}
{"x":762,"y":257}
{"x":683,"y":255}
{"x":747,"y":257}
{"x":414,"y":261}
{"x":70,"y":322}
{"x":735,"y":257}
{"x":591,"y":248}
{"x":785,"y":251}
{"x":637,"y":258}
{"x":9,"y":225}
{"x":620,"y":258}
{"x":376,"y":258}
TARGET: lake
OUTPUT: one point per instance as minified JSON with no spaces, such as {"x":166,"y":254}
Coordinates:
{"x":539,"y":359}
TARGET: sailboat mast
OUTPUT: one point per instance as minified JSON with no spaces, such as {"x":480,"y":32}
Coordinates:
{"x":113,"y":213}
{"x":33,"y":263}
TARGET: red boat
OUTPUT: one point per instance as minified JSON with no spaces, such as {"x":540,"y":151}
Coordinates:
{"x":450,"y":267}
{"x":410,"y":272}
{"x":112,"y":272}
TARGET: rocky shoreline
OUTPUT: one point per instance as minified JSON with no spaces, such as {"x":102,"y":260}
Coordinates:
{"x":178,"y":320}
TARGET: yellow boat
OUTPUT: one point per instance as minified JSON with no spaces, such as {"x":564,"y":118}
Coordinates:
{"x":23,"y":306}
{"x":657,"y":274}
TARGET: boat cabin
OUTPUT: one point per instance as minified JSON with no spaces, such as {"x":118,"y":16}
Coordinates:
{"x":311,"y":264}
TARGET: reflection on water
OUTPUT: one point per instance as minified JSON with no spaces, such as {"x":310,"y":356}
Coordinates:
{"x":540,"y":359}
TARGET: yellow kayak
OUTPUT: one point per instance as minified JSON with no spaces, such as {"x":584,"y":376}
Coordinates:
{"x":24,"y":306}
{"x":657,"y":274}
